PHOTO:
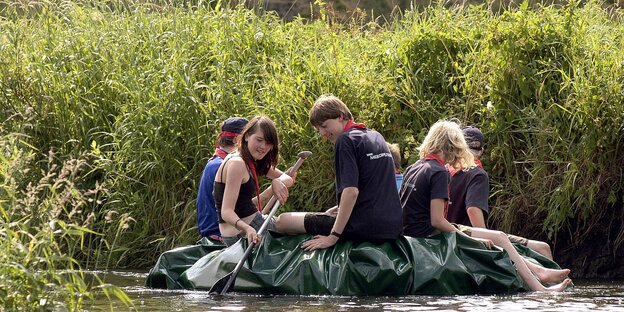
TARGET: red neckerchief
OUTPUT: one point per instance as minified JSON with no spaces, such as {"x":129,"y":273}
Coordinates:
{"x":220,"y":152}
{"x":352,"y":124}
{"x":453,"y":171}
{"x":437,"y":158}
{"x":252,"y":167}
{"x":478,"y":162}
{"x":397,"y":172}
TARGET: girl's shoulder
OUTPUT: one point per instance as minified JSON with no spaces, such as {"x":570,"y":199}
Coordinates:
{"x":234,"y":158}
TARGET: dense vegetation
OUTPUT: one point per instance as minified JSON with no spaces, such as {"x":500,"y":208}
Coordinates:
{"x":110,"y":110}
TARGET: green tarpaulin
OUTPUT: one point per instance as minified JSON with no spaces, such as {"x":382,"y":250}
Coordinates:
{"x":446,"y":264}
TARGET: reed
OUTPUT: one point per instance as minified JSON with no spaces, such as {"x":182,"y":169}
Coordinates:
{"x":45,"y":217}
{"x":142,"y":87}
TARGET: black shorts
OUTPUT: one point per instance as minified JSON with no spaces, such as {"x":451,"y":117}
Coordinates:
{"x":318,"y":223}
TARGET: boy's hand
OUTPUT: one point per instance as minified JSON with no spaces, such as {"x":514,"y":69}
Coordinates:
{"x":319,"y":242}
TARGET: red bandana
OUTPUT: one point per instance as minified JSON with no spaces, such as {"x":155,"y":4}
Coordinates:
{"x":252,"y":167}
{"x":227,"y":134}
{"x":351,"y":124}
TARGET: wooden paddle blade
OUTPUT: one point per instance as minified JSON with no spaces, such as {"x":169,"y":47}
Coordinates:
{"x":220,"y":286}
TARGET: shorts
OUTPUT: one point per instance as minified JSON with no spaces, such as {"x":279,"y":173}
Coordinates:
{"x":256,"y":223}
{"x":464,"y":229}
{"x":318,"y":223}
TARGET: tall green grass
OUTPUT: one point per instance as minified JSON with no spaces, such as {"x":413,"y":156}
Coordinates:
{"x":144,"y":89}
{"x":46,"y":215}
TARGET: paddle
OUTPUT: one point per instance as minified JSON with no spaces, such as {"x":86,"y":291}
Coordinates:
{"x":291,"y":172}
{"x":226,"y":283}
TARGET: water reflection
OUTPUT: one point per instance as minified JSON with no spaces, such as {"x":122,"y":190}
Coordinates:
{"x":587,"y":295}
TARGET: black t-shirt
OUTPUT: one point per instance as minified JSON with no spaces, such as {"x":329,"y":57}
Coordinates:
{"x":362,"y":160}
{"x":468,"y":188}
{"x":423,"y":181}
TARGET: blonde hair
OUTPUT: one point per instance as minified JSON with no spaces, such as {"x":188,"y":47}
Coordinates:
{"x":446,"y":139}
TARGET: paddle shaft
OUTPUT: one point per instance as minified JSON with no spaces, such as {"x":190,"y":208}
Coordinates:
{"x":291,"y":171}
{"x":232,"y":276}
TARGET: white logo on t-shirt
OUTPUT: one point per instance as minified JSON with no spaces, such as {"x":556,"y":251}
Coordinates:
{"x":372,"y":156}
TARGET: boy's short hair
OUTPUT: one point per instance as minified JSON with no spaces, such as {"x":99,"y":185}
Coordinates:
{"x":396,"y":154}
{"x":328,"y":107}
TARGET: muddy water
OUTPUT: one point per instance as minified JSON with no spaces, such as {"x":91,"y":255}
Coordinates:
{"x":587,"y":295}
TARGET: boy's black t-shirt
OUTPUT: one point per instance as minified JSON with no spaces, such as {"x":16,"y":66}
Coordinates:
{"x":362,"y":160}
{"x":423,"y":181}
{"x":468,"y":188}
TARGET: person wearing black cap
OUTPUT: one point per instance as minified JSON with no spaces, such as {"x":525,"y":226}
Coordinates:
{"x":424,"y":197}
{"x":207,"y":219}
{"x":469,"y":191}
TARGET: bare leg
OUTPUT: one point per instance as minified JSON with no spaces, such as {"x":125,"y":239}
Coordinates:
{"x":541,"y":247}
{"x":290,"y":223}
{"x":500,"y":239}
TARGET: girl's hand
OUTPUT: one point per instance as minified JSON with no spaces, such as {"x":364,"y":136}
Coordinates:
{"x":279,"y":190}
{"x":487,"y":242}
{"x":252,"y":235}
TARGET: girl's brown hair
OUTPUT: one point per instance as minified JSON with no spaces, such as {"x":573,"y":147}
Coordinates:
{"x":266,"y":125}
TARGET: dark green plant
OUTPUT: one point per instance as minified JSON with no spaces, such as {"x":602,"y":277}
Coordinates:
{"x":144,"y":90}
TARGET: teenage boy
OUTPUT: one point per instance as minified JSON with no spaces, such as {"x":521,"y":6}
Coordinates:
{"x":368,"y":203}
{"x":207,"y":220}
{"x":469,"y":192}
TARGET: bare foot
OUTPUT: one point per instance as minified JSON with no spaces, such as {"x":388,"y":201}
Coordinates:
{"x":559,"y":287}
{"x":551,"y":275}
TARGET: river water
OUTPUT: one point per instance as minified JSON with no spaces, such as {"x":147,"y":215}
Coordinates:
{"x":588,"y":295}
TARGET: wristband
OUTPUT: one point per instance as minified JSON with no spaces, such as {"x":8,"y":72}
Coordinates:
{"x":335,"y":234}
{"x":236,"y":224}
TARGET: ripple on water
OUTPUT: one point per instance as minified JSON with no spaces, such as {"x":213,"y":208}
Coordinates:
{"x":586,"y":296}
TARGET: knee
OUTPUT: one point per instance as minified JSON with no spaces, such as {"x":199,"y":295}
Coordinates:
{"x":542,"y":247}
{"x":499,"y":238}
{"x":280,"y":223}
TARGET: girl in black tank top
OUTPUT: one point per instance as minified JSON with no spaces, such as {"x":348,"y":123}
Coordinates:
{"x":236,"y":188}
{"x":244,"y":204}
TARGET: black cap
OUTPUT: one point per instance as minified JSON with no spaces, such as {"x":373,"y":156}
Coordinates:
{"x":474,"y":138}
{"x":234,"y":124}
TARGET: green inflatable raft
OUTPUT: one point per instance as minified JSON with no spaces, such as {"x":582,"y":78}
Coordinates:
{"x":446,"y":264}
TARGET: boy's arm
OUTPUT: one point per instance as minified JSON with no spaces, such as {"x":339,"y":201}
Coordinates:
{"x":347,"y":202}
{"x":475,"y":214}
